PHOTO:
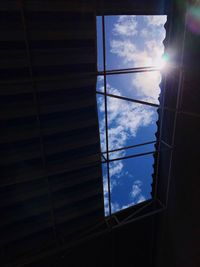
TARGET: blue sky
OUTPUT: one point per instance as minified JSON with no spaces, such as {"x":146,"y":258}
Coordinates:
{"x":131,"y":41}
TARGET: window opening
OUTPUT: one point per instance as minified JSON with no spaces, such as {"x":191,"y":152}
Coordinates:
{"x":130,"y":59}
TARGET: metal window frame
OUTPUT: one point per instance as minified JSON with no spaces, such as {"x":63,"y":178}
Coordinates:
{"x":105,"y":155}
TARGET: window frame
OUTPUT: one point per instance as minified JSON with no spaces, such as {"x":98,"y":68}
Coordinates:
{"x":106,"y":160}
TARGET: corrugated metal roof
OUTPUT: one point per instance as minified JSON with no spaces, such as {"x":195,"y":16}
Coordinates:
{"x":51,"y":185}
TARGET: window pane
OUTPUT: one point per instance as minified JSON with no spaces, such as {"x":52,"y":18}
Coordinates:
{"x":134,"y":41}
{"x":101,"y":118}
{"x":130,"y":123}
{"x":131,"y":181}
{"x":105,"y":189}
{"x":141,"y":86}
{"x":99,"y":43}
{"x":130,"y":42}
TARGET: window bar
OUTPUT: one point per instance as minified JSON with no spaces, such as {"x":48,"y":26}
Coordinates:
{"x":106,"y":113}
{"x":126,"y":71}
{"x":159,"y":141}
{"x":129,"y":99}
{"x":162,"y":109}
{"x":151,"y":104}
{"x":140,"y":217}
{"x":128,"y":147}
{"x":132,"y":156}
{"x":137,"y":211}
{"x":166,"y":144}
{"x":103,"y":156}
{"x":134,"y":68}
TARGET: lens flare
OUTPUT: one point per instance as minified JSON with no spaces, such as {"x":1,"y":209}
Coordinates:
{"x":193,"y":19}
{"x":163,"y":61}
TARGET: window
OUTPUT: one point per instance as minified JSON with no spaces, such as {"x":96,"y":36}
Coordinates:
{"x":130,"y":59}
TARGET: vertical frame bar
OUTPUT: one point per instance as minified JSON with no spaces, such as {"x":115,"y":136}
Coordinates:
{"x":106,"y":113}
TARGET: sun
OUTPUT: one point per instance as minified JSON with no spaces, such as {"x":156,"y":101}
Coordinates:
{"x":162,"y":62}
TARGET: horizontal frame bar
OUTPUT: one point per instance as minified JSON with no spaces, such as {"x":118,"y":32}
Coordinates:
{"x":132,"y":156}
{"x":129,"y":99}
{"x":128,"y":147}
{"x":129,"y":70}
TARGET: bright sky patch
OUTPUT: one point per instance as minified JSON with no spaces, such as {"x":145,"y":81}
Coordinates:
{"x":130,"y":42}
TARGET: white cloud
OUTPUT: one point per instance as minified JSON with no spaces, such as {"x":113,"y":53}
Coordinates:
{"x":144,"y":33}
{"x":141,"y":199}
{"x":136,"y":193}
{"x":106,"y":198}
{"x":150,"y":56}
{"x":125,"y":26}
{"x":106,"y":204}
{"x":115,"y":168}
{"x":115,"y":207}
{"x":100,"y":78}
{"x":156,"y":20}
{"x":148,"y":85}
{"x":123,"y":48}
{"x":136,"y":190}
{"x":128,"y":118}
{"x":127,"y":206}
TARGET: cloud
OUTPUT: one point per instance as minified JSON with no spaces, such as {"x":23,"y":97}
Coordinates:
{"x":136,"y":197}
{"x":144,"y":33}
{"x":127,"y":206}
{"x":147,"y":85}
{"x":115,"y":168}
{"x":114,"y":206}
{"x":149,"y":56}
{"x":136,"y":192}
{"x":120,"y":118}
{"x":100,"y":78}
{"x":125,"y":26}
{"x":123,"y":48}
{"x":141,"y":199}
{"x":156,"y":20}
{"x":106,"y":198}
{"x":136,"y":189}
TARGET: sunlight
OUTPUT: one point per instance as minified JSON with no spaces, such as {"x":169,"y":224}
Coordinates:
{"x":162,"y":62}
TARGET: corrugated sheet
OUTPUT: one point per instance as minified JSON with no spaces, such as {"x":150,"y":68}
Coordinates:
{"x":50,"y":186}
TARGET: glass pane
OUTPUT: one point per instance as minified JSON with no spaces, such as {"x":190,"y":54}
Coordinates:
{"x":101,"y":118}
{"x":134,"y":41}
{"x":105,"y":189}
{"x":130,"y":123}
{"x":99,"y":43}
{"x":141,"y":86}
{"x":100,"y":83}
{"x":131,"y":181}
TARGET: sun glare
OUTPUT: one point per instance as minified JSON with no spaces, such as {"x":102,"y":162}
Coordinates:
{"x":162,"y":62}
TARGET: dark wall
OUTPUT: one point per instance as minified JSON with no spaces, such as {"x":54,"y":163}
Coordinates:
{"x":178,"y":228}
{"x":130,"y":245}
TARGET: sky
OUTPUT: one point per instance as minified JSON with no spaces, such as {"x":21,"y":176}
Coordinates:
{"x":131,"y":41}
